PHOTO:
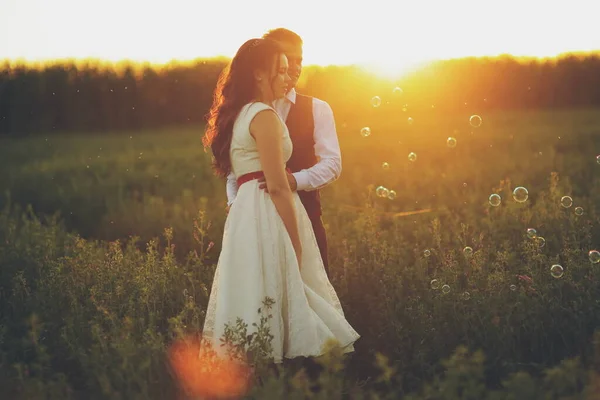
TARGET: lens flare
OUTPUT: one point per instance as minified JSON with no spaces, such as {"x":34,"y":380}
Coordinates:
{"x":203,"y":374}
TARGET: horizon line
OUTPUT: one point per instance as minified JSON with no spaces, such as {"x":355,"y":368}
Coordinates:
{"x":221,"y":56}
{"x":145,"y":62}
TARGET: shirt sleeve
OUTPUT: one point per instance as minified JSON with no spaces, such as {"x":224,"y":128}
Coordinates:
{"x":327,"y":149}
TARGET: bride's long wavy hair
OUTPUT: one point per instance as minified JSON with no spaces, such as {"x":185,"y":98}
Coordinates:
{"x":236,"y":87}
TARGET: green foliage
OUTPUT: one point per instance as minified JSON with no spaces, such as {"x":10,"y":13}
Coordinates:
{"x":92,"y":314}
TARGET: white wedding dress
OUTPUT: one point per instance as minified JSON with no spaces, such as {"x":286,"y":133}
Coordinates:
{"x":258,"y":260}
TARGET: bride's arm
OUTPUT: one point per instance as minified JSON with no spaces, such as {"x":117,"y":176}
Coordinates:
{"x":267,"y":130}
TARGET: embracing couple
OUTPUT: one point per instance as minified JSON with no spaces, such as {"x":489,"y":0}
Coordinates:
{"x":276,"y":148}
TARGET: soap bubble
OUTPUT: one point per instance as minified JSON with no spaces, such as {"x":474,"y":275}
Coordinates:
{"x":594,"y":256}
{"x":451,"y":142}
{"x":520,"y":194}
{"x":412,"y":157}
{"x":579,"y":211}
{"x":366,"y":131}
{"x":446,"y":289}
{"x":475,"y":121}
{"x":531,"y":233}
{"x":495,"y":200}
{"x":435,"y":284}
{"x":557,"y":271}
{"x":566,"y":201}
{"x":376,"y":101}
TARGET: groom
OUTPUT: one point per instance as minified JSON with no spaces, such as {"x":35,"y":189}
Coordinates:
{"x":316,"y":158}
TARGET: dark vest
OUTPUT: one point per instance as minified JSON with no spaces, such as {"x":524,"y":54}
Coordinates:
{"x":301,"y":125}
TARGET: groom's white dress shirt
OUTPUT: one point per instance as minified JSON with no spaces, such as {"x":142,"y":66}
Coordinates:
{"x":327,"y":148}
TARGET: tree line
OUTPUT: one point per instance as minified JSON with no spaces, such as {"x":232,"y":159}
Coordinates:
{"x":88,"y":96}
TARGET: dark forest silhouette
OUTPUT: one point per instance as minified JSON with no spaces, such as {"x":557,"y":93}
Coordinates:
{"x":90,"y":96}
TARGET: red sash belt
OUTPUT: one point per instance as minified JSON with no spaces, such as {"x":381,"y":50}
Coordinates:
{"x":253,"y":175}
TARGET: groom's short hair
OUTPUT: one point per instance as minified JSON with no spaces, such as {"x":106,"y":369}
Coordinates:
{"x":283,"y":35}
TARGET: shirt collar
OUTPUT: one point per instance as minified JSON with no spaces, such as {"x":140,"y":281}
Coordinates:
{"x":291,"y":96}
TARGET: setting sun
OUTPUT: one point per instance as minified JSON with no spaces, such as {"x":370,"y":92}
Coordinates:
{"x":388,"y":37}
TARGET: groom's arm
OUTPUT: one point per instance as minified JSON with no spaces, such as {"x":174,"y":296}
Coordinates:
{"x":231,"y":188}
{"x":327,"y":149}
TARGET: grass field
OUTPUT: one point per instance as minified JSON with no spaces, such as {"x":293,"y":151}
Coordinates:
{"x":93,"y":317}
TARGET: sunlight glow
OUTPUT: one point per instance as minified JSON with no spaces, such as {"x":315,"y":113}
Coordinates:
{"x":387,"y":40}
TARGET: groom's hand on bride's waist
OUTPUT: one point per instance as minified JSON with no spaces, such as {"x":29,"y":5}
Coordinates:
{"x":262,"y":184}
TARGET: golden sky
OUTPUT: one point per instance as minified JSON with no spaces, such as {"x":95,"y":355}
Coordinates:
{"x":390,"y":34}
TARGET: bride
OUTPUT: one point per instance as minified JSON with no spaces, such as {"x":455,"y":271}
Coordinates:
{"x":269,"y":248}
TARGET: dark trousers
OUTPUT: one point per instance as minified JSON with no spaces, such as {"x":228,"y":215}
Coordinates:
{"x":319,"y":229}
